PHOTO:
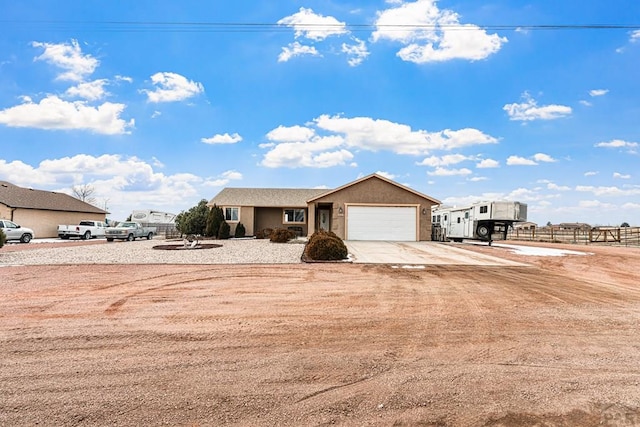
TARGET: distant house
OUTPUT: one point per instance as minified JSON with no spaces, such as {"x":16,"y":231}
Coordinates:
{"x":573,"y":226}
{"x":42,"y":210}
{"x":370,"y":208}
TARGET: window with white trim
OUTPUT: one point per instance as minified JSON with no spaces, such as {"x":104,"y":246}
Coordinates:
{"x":484,"y":209}
{"x":294,"y":216}
{"x":231,"y":214}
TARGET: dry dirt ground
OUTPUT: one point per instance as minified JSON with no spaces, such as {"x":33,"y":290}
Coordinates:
{"x":556,"y":343}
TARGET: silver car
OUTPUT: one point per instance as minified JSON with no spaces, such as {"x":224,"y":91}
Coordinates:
{"x":14,"y":232}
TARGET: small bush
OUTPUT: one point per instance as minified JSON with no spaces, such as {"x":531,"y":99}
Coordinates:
{"x":281,"y":235}
{"x":325,"y":246}
{"x":3,"y":238}
{"x":225,"y":230}
{"x":264,"y":233}
{"x":323,"y":234}
{"x":240,"y":231}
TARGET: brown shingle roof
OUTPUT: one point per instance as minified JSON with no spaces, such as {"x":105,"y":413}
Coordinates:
{"x":265,"y":197}
{"x":27,"y":198}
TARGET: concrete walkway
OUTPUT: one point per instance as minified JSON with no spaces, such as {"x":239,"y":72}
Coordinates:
{"x":419,"y":253}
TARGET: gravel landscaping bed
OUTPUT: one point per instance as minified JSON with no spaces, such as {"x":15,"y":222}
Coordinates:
{"x":242,"y":251}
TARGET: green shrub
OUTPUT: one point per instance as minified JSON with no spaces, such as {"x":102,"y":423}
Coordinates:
{"x":194,"y":220}
{"x":281,"y":235}
{"x":240,"y":231}
{"x":225,"y":230}
{"x":215,"y":217}
{"x":264,"y":233}
{"x":325,"y":246}
{"x":3,"y":238}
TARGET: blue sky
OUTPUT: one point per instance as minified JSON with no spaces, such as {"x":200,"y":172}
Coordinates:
{"x":159,"y":104}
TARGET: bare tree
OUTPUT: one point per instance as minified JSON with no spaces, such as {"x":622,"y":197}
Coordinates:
{"x":84,"y":192}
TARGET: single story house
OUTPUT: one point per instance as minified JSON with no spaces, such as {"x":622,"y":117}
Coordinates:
{"x":42,"y":210}
{"x":370,"y":208}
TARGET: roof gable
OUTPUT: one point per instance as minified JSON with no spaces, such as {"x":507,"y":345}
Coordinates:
{"x":28,"y":198}
{"x":379,"y":177}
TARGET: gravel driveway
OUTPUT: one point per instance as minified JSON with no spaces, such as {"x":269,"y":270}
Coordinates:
{"x":243,"y":251}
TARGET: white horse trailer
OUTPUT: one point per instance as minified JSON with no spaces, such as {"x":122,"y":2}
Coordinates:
{"x":152,"y":217}
{"x":479,"y":221}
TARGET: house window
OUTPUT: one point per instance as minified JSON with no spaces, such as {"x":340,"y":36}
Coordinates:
{"x":434,"y":219}
{"x":294,"y":216}
{"x":231,"y":214}
{"x":438,"y":219}
{"x":484,"y":209}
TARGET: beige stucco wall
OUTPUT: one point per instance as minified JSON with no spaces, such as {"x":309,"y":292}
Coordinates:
{"x":246,"y":217}
{"x":5,"y":212}
{"x":376,"y":192}
{"x":274,"y":217}
{"x":45,"y":223}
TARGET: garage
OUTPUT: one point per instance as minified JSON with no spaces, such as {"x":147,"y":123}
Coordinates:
{"x":392,"y":223}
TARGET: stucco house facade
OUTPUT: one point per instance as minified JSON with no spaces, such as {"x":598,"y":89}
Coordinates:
{"x":42,"y":210}
{"x":370,"y":208}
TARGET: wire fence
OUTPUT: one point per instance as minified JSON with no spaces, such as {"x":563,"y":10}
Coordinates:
{"x":625,"y":236}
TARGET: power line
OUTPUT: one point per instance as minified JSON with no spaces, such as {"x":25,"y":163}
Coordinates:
{"x":230,"y":27}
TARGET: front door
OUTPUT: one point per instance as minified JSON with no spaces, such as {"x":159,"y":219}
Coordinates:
{"x":324,"y":216}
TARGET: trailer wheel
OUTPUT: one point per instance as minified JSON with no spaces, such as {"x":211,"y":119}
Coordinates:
{"x":483,"y":231}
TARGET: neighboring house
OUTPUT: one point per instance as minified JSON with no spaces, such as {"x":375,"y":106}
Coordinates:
{"x":42,"y":211}
{"x":370,"y":208}
{"x":573,"y":226}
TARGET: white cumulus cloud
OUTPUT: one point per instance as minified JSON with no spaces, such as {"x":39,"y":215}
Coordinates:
{"x":298,"y":146}
{"x":296,"y":49}
{"x":529,"y":110}
{"x":172,"y":87}
{"x":308,"y":24}
{"x":222,"y":139}
{"x":68,"y":57}
{"x":357,"y":52}
{"x":433,"y":35}
{"x":446,"y":160}
{"x":617,"y":143}
{"x":598,"y":92}
{"x":520,"y":161}
{"x":379,"y":134}
{"x":488,"y":163}
{"x":122,"y":183}
{"x":541,"y":157}
{"x":91,"y":91}
{"x":440,"y":171}
{"x":55,"y":113}
{"x":619,"y":175}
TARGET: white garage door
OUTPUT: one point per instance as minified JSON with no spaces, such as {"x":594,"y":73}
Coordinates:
{"x":394,"y":223}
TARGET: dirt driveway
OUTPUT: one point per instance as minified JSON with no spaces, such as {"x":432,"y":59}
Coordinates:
{"x":555,"y":343}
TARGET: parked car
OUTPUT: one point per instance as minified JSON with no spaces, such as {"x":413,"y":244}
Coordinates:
{"x":87,"y":229}
{"x":129,"y":231}
{"x":14,"y":231}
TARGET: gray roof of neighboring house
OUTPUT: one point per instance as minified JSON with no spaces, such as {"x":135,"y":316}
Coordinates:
{"x":266,"y":197}
{"x":28,"y":198}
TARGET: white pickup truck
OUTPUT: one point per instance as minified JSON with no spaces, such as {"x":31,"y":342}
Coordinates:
{"x":86,"y":229}
{"x":129,"y":231}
